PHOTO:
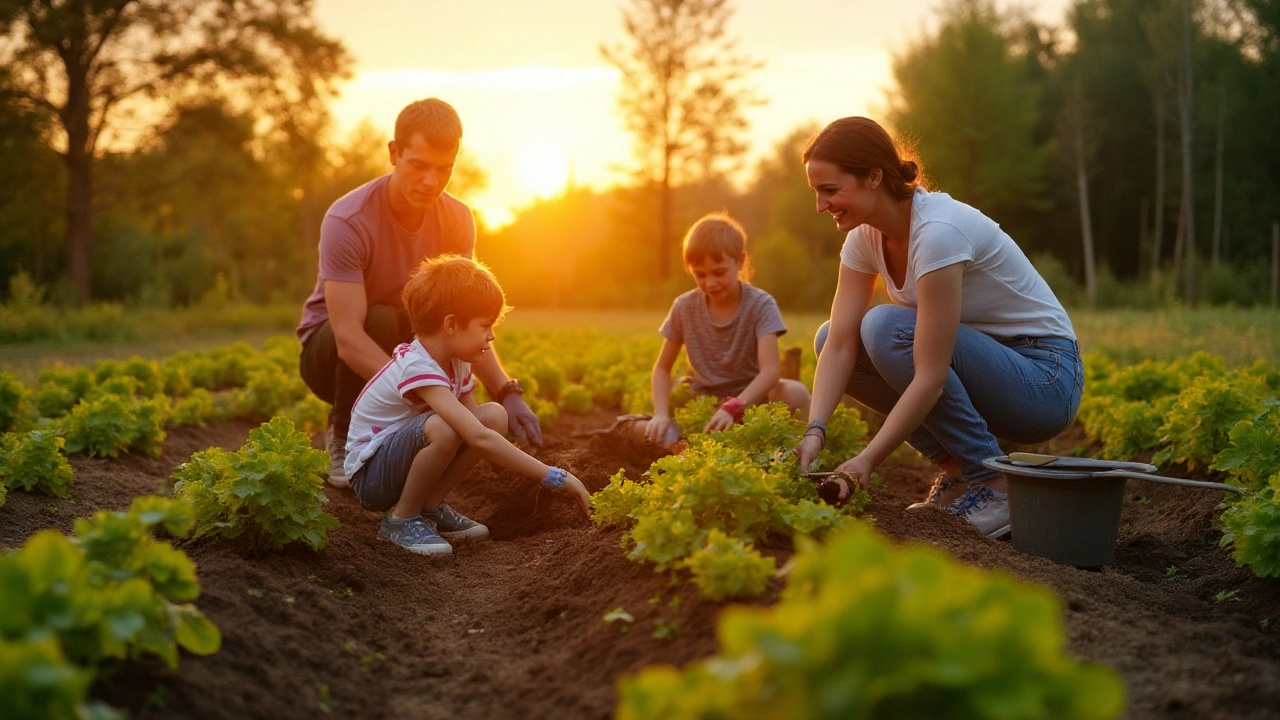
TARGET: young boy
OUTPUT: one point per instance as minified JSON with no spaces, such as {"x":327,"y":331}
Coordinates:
{"x":416,"y":430}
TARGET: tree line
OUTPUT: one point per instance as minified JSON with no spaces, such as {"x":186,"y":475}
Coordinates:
{"x":151,"y":153}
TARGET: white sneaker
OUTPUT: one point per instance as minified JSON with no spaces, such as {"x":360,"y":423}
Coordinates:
{"x":337,"y":459}
{"x":985,"y":509}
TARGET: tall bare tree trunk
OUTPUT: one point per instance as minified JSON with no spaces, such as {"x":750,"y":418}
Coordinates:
{"x":1217,"y":173}
{"x":1086,"y":224}
{"x":1275,"y":264}
{"x":79,"y":161}
{"x":1185,"y":98}
{"x":664,"y":193}
{"x":1143,"y":237}
{"x":1158,"y":237}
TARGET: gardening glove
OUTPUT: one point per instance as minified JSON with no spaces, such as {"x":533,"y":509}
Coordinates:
{"x":522,"y":421}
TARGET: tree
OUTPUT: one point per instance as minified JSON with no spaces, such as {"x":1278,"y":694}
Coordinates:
{"x":683,"y":95}
{"x":92,"y":63}
{"x":973,"y":104}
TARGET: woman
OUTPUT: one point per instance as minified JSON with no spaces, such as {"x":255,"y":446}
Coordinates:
{"x":974,"y":347}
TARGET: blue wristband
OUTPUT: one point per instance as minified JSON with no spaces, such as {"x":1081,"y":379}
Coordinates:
{"x":555,"y":478}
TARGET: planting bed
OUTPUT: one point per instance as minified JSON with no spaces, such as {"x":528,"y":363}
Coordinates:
{"x":512,"y":627}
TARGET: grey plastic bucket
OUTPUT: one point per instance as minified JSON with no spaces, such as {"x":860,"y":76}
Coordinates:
{"x":1067,"y":516}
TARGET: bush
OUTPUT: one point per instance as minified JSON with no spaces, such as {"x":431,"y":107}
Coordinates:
{"x":270,"y":492}
{"x":867,"y":630}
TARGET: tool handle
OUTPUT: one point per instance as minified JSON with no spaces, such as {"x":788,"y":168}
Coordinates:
{"x":1172,"y":481}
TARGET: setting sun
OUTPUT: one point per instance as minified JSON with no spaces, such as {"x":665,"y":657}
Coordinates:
{"x":543,"y":168}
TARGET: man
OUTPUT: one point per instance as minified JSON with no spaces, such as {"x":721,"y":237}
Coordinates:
{"x":371,"y":239}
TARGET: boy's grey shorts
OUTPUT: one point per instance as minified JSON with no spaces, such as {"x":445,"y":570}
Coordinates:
{"x":379,"y":482}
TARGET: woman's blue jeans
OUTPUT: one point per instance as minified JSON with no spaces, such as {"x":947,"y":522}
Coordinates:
{"x":1021,"y":389}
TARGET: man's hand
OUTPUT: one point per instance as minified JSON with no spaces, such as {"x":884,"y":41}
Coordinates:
{"x":522,"y":421}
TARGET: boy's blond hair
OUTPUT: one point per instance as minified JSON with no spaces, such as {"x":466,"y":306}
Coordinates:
{"x":434,"y":119}
{"x":716,"y":236}
{"x":452,"y":284}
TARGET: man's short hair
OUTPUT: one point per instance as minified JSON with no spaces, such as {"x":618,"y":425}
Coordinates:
{"x":452,"y":284}
{"x":434,"y":119}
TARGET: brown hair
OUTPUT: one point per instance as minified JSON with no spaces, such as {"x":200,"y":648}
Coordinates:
{"x":434,"y":119}
{"x":716,"y":236}
{"x":858,"y":145}
{"x":451,"y":284}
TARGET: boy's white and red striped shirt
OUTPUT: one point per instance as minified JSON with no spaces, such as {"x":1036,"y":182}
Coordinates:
{"x":388,"y":400}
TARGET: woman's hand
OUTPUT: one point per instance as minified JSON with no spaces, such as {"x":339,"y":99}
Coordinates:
{"x":656,"y":430}
{"x":576,"y":490}
{"x":857,"y":468}
{"x":722,"y":420}
{"x":808,"y":449}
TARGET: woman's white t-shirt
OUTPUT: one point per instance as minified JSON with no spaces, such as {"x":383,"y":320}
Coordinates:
{"x":1002,"y":295}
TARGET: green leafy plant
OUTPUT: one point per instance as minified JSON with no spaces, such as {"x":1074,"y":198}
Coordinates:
{"x":869,"y":630}
{"x":60,"y":388}
{"x":728,"y":567}
{"x":114,"y":424}
{"x":1252,"y":454}
{"x":701,"y":511}
{"x":270,"y":492}
{"x":34,"y":462}
{"x":1199,"y":423}
{"x":38,"y":683}
{"x":575,"y":398}
{"x":112,"y":592}
{"x":1251,"y":527}
{"x":15,"y":405}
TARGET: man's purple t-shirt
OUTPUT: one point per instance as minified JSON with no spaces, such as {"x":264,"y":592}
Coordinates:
{"x":361,"y":242}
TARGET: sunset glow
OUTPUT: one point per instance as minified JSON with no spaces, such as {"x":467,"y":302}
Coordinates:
{"x":543,"y":169}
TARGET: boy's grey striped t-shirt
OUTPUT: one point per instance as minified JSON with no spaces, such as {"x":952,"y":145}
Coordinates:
{"x":723,"y":355}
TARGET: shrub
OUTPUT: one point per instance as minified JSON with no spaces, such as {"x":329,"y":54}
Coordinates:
{"x":575,"y":398}
{"x":270,"y":492}
{"x":1198,"y":425}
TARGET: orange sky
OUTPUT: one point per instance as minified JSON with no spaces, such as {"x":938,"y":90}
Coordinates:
{"x":537,"y":99}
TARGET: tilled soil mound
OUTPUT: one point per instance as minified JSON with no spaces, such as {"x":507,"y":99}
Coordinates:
{"x":512,"y":627}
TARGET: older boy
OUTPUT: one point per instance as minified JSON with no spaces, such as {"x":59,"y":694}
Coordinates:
{"x":416,"y":430}
{"x":371,"y":239}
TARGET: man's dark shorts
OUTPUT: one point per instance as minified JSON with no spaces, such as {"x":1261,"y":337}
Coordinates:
{"x":380,"y":481}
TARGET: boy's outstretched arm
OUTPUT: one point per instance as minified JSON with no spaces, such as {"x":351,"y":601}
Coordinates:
{"x":660,"y":386}
{"x":770,"y":362}
{"x":492,"y":446}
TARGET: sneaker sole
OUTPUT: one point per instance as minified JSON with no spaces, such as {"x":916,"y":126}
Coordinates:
{"x":435,"y":549}
{"x":339,"y":482}
{"x":479,"y":532}
{"x":1000,"y":532}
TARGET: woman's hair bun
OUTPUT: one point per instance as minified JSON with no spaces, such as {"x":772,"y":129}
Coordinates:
{"x":909,"y":170}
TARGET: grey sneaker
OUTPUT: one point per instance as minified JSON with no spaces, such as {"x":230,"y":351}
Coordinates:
{"x":415,"y":535}
{"x":941,"y":485}
{"x":985,"y":509}
{"x":337,"y":458}
{"x":454,"y":525}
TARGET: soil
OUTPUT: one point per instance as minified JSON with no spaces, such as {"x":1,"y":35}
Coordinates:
{"x":512,"y":627}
